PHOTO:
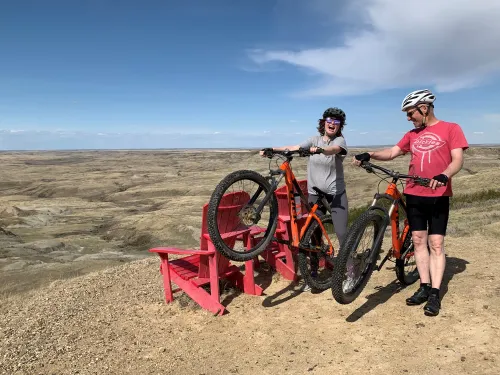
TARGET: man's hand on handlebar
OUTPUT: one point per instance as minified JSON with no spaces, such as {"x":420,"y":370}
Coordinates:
{"x":359,"y":158}
{"x":438,"y":181}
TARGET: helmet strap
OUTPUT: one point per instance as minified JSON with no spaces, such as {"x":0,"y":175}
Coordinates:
{"x":424,"y":117}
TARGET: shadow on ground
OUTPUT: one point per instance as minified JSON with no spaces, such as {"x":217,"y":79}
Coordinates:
{"x":454,"y":266}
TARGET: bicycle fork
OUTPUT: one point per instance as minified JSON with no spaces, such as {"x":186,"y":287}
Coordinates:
{"x":385,"y":223}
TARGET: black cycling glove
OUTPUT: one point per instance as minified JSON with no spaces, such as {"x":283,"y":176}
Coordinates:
{"x":365,"y":156}
{"x":441,"y":178}
{"x":268,"y":152}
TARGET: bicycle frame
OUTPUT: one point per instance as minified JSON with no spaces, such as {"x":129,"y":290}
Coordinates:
{"x":292,"y":187}
{"x":392,"y":215}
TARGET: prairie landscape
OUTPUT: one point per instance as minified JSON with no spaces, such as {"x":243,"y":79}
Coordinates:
{"x":81,"y":294}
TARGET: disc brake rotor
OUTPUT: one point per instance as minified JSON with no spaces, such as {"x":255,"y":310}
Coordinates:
{"x":248,"y":215}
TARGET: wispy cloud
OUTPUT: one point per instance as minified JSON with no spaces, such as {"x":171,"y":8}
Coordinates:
{"x":478,"y":132}
{"x":446,"y":44}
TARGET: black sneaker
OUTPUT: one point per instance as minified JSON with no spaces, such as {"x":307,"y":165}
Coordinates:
{"x":432,"y":306}
{"x":420,"y":296}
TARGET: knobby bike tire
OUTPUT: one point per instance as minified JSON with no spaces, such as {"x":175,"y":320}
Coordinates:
{"x":213,"y":205}
{"x":406,"y":278}
{"x":304,"y":255}
{"x":350,"y":244}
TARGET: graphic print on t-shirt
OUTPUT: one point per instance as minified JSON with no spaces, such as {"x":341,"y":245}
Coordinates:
{"x":426,"y":144}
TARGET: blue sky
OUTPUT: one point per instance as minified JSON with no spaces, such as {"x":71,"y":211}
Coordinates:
{"x":235,"y":73}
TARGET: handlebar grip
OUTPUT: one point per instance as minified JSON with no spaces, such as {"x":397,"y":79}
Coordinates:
{"x":304,"y":152}
{"x":422,"y":181}
{"x":307,"y":152}
{"x":268,"y":152}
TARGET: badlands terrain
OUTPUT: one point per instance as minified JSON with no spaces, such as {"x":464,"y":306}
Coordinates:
{"x":80,"y":294}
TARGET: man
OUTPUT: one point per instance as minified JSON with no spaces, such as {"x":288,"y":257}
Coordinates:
{"x":436,"y":149}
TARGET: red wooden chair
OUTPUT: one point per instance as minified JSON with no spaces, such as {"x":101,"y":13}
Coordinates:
{"x":280,"y":256}
{"x":207,"y":266}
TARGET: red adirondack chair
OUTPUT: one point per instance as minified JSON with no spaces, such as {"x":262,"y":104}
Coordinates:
{"x":207,"y":266}
{"x":279,"y":256}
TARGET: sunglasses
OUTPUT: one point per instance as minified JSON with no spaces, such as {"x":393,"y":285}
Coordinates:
{"x":330,"y":120}
{"x":410,"y":113}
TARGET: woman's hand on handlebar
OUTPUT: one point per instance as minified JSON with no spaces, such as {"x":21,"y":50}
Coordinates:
{"x":310,"y":151}
{"x":266,"y":152}
{"x":316,"y":150}
{"x":270,"y":152}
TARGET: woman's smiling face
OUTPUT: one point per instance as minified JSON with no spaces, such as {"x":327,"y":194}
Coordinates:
{"x":332,"y":125}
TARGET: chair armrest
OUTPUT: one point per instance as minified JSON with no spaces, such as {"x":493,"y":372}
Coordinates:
{"x":173,"y":250}
{"x":229,"y":235}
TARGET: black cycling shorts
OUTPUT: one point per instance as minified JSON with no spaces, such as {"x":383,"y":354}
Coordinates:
{"x":428,"y":213}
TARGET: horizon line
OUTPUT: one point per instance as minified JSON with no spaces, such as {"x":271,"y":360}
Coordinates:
{"x":203,"y":148}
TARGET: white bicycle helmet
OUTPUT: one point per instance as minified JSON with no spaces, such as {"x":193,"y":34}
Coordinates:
{"x":417,"y":97}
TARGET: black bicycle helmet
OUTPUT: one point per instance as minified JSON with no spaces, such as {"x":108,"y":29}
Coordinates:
{"x":335,"y":113}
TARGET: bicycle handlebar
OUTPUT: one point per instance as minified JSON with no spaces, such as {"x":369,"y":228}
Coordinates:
{"x":418,"y":180}
{"x":303,"y":152}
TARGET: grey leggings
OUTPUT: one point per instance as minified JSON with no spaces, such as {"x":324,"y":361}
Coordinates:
{"x":339,"y":207}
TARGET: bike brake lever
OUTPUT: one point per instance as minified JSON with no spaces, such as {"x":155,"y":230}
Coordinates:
{"x":304,"y":152}
{"x":423,"y":181}
{"x":367,"y":168}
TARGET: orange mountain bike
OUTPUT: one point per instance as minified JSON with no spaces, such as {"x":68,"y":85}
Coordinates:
{"x":260,"y":215}
{"x":357,"y":259}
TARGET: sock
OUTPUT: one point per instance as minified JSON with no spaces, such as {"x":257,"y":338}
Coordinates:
{"x":435,"y":291}
{"x":425,"y":286}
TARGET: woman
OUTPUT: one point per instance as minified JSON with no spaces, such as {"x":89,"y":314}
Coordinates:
{"x":326,"y":171}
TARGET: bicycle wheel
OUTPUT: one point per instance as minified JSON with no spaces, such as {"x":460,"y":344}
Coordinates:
{"x":406,"y":266}
{"x":226,"y":214}
{"x":352,"y":269}
{"x":317,"y":267}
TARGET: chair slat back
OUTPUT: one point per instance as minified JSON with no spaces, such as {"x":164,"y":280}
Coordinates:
{"x":227,"y":214}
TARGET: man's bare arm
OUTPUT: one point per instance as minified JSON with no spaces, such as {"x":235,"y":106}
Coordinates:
{"x":457,"y":162}
{"x":386,"y":154}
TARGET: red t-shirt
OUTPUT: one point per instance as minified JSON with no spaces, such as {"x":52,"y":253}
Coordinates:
{"x":430,"y":149}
